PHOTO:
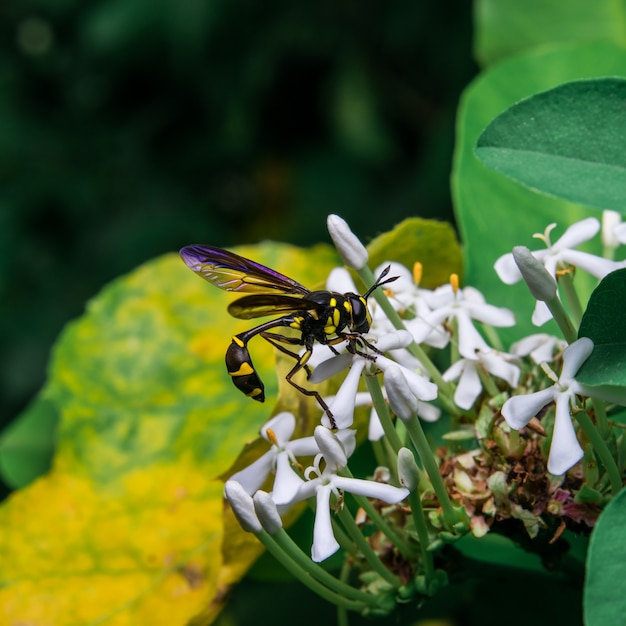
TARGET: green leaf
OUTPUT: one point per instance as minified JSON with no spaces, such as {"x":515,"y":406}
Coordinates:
{"x":604,"y":600}
{"x":605,"y":323}
{"x":567,"y":142}
{"x":508,"y":27}
{"x":132,"y":509}
{"x":27,"y":444}
{"x":493,"y":212}
{"x":432,"y":243}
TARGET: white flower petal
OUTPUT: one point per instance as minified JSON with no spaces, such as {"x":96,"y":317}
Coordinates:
{"x":565,"y":451}
{"x":574,"y":356}
{"x":499,"y":366}
{"x":507,"y":269}
{"x":331,"y":448}
{"x":342,"y":406}
{"x":340,"y":280}
{"x":541,"y":314}
{"x":375,"y":430}
{"x":252,"y":477}
{"x":595,"y":265}
{"x":371,"y":489}
{"x":330,"y":367}
{"x":286,"y":482}
{"x":519,"y":410}
{"x":578,"y":233}
{"x":470,"y":340}
{"x":282,"y":425}
{"x":428,"y":412}
{"x":324,"y":542}
{"x":402,"y":401}
{"x":469,"y":386}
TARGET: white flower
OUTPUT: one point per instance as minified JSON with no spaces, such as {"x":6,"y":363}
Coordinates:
{"x":466,"y":371}
{"x":565,"y":451}
{"x":463,"y":306}
{"x":281,"y":457}
{"x":324,"y":482}
{"x":540,"y":347}
{"x":342,"y":406}
{"x":558,"y":255}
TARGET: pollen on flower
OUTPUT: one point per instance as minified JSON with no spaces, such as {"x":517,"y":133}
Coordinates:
{"x":271,"y":435}
{"x":454,"y":281}
{"x":418,"y":271}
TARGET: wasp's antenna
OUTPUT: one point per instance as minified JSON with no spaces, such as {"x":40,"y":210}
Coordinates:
{"x":380,"y":281}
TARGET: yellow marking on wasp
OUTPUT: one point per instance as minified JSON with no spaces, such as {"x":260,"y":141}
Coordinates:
{"x":238,"y":341}
{"x":305,"y":357}
{"x":297,"y":322}
{"x":336,"y":317}
{"x":257,"y":391}
{"x":332,"y":302}
{"x":245,"y":370}
{"x":347,"y":306}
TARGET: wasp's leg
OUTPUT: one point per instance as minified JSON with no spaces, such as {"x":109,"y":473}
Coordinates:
{"x":278,"y":340}
{"x":301,"y":363}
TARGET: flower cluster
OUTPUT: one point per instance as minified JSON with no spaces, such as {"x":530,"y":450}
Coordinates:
{"x":428,"y":354}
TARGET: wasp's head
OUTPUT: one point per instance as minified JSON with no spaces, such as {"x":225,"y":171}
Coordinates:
{"x":360,"y":318}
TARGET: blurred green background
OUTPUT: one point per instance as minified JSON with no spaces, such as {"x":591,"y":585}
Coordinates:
{"x":129,"y":128}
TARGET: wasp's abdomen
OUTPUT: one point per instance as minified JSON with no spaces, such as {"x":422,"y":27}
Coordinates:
{"x":241,"y":369}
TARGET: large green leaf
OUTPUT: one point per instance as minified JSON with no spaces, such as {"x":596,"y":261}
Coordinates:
{"x":605,"y":323}
{"x":493,"y":212}
{"x":508,"y":27}
{"x":130,"y":526}
{"x":567,"y":142}
{"x":604,"y":598}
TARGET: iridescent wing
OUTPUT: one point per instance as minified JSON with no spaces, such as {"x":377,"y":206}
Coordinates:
{"x":232,"y":272}
{"x":260,"y":305}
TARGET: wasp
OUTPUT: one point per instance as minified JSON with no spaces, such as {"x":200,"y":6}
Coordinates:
{"x":325,"y":317}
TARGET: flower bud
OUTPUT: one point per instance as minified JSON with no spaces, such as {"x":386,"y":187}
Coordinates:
{"x":267,"y":512}
{"x":350,"y":249}
{"x":541,"y":284}
{"x":242,"y":506}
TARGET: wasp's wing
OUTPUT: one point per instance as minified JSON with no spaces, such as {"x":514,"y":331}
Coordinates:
{"x":259,"y":305}
{"x":232,"y":272}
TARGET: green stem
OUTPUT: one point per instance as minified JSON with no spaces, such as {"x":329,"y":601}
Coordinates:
{"x":370,"y":556}
{"x":381,"y":523}
{"x":382,"y":409}
{"x":287,"y":544}
{"x":569,"y":291}
{"x":422,"y":533}
{"x":305,"y":576}
{"x":599,"y":409}
{"x":418,"y":437}
{"x":601,"y":449}
{"x":562,"y":319}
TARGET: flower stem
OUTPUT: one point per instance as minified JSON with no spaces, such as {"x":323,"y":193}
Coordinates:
{"x":601,"y":449}
{"x":380,"y":522}
{"x":370,"y":556}
{"x":382,"y":409}
{"x":569,"y":291}
{"x":562,"y":319}
{"x":422,"y":533}
{"x":305,"y":576}
{"x":418,"y":437}
{"x":287,"y":544}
